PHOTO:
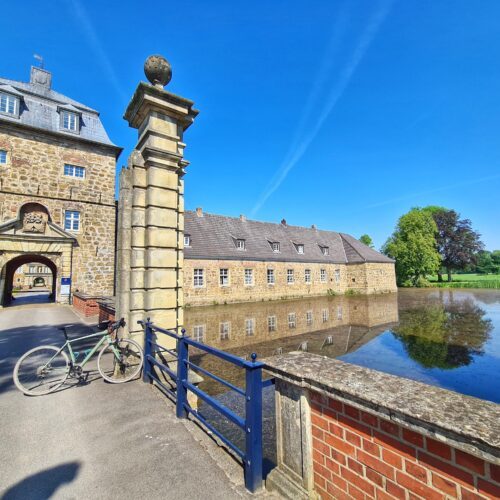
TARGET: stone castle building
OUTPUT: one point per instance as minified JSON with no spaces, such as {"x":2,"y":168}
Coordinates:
{"x":238,"y":260}
{"x":57,"y":189}
{"x":32,"y":276}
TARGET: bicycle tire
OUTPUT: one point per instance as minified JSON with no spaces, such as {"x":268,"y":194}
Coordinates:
{"x":62,"y":371}
{"x":128,"y":370}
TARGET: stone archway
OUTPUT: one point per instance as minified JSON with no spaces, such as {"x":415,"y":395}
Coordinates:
{"x":10,"y":268}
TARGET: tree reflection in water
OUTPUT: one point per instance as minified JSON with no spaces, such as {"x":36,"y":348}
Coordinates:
{"x":444,"y":335}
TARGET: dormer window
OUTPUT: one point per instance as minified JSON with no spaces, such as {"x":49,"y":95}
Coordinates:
{"x":275,"y":245}
{"x":325,"y":250}
{"x":187,"y":240}
{"x":299,"y":247}
{"x":240,"y":244}
{"x":69,"y":121}
{"x":9,"y":104}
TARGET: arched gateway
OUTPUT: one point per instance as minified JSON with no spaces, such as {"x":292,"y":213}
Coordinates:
{"x":33,"y":237}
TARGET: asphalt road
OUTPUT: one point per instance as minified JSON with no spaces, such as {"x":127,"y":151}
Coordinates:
{"x":95,"y":441}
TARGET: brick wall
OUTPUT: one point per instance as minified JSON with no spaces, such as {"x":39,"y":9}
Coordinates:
{"x":359,"y":455}
{"x":87,"y":306}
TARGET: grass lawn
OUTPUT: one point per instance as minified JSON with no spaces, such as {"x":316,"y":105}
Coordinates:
{"x":469,"y":277}
{"x":468,"y":281}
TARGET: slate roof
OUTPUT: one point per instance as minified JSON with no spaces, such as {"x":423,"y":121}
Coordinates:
{"x":214,"y":237}
{"x":39,"y":109}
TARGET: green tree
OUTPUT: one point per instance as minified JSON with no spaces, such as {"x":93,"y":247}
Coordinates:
{"x":413,"y":246}
{"x":457,"y":243}
{"x":366,"y":240}
{"x":484,"y":262}
{"x":495,"y":258}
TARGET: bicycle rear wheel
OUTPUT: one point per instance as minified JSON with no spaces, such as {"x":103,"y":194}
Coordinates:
{"x":120,"y":361}
{"x":41,"y":370}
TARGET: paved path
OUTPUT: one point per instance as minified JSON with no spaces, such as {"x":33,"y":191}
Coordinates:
{"x":95,"y":441}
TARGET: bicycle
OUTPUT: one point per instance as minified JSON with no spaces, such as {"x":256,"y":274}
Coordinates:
{"x":44,"y":369}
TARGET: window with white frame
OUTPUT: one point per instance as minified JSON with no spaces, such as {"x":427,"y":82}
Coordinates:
{"x":72,"y":220}
{"x":69,"y":121}
{"x":225,"y":330}
{"x":275,"y":245}
{"x":339,"y":312}
{"x":289,"y":276}
{"x":300,"y":248}
{"x":9,"y":104}
{"x":271,"y":323}
{"x":307,"y":276}
{"x":324,"y":315}
{"x":248,"y":277}
{"x":309,"y":318}
{"x":198,"y":278}
{"x":74,"y":171}
{"x":224,"y":277}
{"x":187,"y":240}
{"x":249,"y":326}
{"x":292,"y":320}
{"x":199,"y":333}
{"x":325,"y":250}
{"x":270,"y":277}
{"x":322,"y":275}
{"x":337,"y":276}
{"x":240,"y":244}
{"x":3,"y":156}
{"x":32,"y":269}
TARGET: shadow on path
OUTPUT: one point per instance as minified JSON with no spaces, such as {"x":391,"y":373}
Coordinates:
{"x":43,"y":485}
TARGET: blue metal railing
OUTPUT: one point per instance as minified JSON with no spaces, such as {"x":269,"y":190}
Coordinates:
{"x":251,"y":424}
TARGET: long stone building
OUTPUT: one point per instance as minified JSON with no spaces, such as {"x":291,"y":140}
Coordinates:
{"x":239,"y":260}
{"x":57,"y":191}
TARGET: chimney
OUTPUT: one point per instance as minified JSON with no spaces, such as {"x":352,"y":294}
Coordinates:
{"x":283,"y":222}
{"x":313,"y":226}
{"x":199,"y":212}
{"x":41,"y":77}
{"x":242,"y":217}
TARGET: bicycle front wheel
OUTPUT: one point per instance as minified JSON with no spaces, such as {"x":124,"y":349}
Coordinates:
{"x":120,"y":361}
{"x":41,"y":370}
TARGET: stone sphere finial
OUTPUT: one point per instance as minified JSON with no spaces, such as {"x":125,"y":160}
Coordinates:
{"x":158,"y":70}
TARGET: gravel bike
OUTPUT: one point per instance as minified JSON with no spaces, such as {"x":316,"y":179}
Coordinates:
{"x":44,"y":369}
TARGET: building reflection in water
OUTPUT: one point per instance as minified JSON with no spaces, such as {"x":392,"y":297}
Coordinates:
{"x":331,"y":326}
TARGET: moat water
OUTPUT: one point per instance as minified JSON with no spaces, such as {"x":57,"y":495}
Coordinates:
{"x":446,"y":338}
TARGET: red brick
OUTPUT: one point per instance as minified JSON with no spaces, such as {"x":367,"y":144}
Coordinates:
{"x":438,"y":448}
{"x":337,"y":430}
{"x":487,"y":488}
{"x":374,"y":477}
{"x":394,"y":445}
{"x":413,"y":438}
{"x":319,"y":457}
{"x":354,"y":425}
{"x":319,"y":480}
{"x":329,"y":413}
{"x":444,"y":485}
{"x":416,"y":471}
{"x":339,"y":457}
{"x":382,"y":495}
{"x":417,"y":487}
{"x":324,"y":495}
{"x":317,"y":432}
{"x":389,"y":427}
{"x":318,"y":398}
{"x":322,"y":471}
{"x":339,"y":482}
{"x":495,"y":472}
{"x":355,"y":466}
{"x":356,"y":493}
{"x":352,"y":412}
{"x":354,"y":478}
{"x":445,"y":469}
{"x":336,"y":405}
{"x":338,"y":444}
{"x":337,"y":493}
{"x":369,"y":419}
{"x":392,"y":459}
{"x":371,"y":447}
{"x":394,"y":489}
{"x":353,"y":438}
{"x":469,"y":462}
{"x":470,"y":495}
{"x":321,"y":447}
{"x":332,"y":466}
{"x":374,"y":463}
{"x":320,"y":422}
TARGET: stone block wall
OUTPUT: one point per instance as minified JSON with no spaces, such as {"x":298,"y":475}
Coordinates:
{"x":360,"y":278}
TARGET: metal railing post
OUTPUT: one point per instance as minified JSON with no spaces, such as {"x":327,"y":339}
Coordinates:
{"x":253,"y":427}
{"x":148,"y":338}
{"x":182,"y":376}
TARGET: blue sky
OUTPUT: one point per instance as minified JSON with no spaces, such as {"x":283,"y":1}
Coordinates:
{"x":341,"y":113}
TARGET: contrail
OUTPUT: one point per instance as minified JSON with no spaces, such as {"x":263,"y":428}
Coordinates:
{"x":96,"y":45}
{"x":345,"y":77}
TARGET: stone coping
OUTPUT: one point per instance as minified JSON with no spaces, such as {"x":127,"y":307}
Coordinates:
{"x":464,"y":422}
{"x":87,"y":296}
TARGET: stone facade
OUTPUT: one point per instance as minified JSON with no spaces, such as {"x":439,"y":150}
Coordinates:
{"x":34,"y":173}
{"x":364,"y":278}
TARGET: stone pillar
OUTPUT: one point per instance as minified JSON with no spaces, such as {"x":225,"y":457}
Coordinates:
{"x":157,"y":216}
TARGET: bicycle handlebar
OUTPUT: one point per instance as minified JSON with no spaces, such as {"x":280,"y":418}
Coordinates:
{"x":118,"y":324}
